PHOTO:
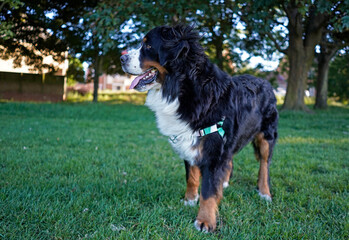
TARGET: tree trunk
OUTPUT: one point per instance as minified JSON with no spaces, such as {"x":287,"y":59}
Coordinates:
{"x":322,"y":84}
{"x":301,"y":50}
{"x":217,"y":41}
{"x":219,"y":54}
{"x":325,"y":57}
{"x":296,"y":84}
{"x":96,"y":78}
{"x":297,"y":78}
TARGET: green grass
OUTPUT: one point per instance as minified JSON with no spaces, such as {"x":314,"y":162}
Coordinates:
{"x":109,"y":97}
{"x":102,"y":171}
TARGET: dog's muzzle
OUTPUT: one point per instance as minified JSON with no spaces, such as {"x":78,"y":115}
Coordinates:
{"x":124,"y":59}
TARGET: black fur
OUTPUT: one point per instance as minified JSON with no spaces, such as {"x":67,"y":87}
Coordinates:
{"x":206,"y":94}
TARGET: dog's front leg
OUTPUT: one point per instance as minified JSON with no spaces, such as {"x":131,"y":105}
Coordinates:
{"x":228,"y":173}
{"x":213,"y":168}
{"x":193,"y":181}
{"x":211,"y":194}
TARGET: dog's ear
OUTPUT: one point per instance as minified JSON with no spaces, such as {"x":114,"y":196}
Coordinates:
{"x":181,"y":50}
{"x":174,"y":46}
{"x":163,"y":56}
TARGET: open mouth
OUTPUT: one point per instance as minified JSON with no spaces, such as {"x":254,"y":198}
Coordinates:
{"x":147,"y":77}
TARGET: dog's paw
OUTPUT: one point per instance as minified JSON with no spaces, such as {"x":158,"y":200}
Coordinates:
{"x":225,"y":184}
{"x":191,"y":202}
{"x":266,"y":197}
{"x":204,"y":226}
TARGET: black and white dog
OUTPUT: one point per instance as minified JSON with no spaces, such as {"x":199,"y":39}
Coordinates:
{"x":208,"y":115}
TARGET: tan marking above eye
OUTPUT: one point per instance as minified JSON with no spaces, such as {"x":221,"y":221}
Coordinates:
{"x":148,"y":46}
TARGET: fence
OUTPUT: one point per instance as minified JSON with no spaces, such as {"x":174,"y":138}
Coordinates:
{"x":31,"y":87}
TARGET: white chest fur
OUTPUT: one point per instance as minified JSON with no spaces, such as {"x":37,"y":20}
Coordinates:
{"x":181,"y":136}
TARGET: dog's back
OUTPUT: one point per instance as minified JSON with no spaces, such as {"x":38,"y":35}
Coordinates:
{"x":254,"y":111}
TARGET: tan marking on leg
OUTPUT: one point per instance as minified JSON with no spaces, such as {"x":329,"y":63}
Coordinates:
{"x":199,"y":147}
{"x":263,"y":173}
{"x":193,"y":183}
{"x":206,"y":219}
{"x":227,"y":174}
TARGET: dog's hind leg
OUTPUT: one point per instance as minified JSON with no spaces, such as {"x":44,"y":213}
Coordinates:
{"x":263,"y":150}
{"x":193,"y":182}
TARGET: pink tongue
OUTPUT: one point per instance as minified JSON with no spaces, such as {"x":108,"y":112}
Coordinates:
{"x":136,"y":81}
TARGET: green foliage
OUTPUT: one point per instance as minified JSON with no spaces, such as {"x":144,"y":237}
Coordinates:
{"x":75,"y":71}
{"x":6,"y":27}
{"x":46,"y":27}
{"x":215,"y":20}
{"x":12,"y":3}
{"x":338,"y":77}
{"x":5,"y":30}
{"x":293,"y":28}
{"x":102,"y":28}
{"x":267,"y":27}
{"x":100,"y":171}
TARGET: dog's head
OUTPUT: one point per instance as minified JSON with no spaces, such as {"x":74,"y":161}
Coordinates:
{"x":161,"y":49}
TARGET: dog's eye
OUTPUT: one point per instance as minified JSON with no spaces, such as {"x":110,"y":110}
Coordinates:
{"x":148,"y":46}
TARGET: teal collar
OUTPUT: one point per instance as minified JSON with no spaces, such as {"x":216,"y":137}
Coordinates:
{"x":218,"y":127}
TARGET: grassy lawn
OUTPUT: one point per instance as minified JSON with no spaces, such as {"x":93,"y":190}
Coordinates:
{"x":102,"y":171}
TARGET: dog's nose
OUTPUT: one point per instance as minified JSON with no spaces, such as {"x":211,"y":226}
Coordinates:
{"x":124,"y":58}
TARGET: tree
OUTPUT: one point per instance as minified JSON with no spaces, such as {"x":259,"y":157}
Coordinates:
{"x":42,"y":28}
{"x":105,"y":30}
{"x":5,"y":27}
{"x":266,"y":25}
{"x":98,"y":30}
{"x":217,"y":22}
{"x":215,"y":19}
{"x":338,"y":77}
{"x":103,"y":37}
{"x":329,"y":46}
{"x":75,"y":71}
